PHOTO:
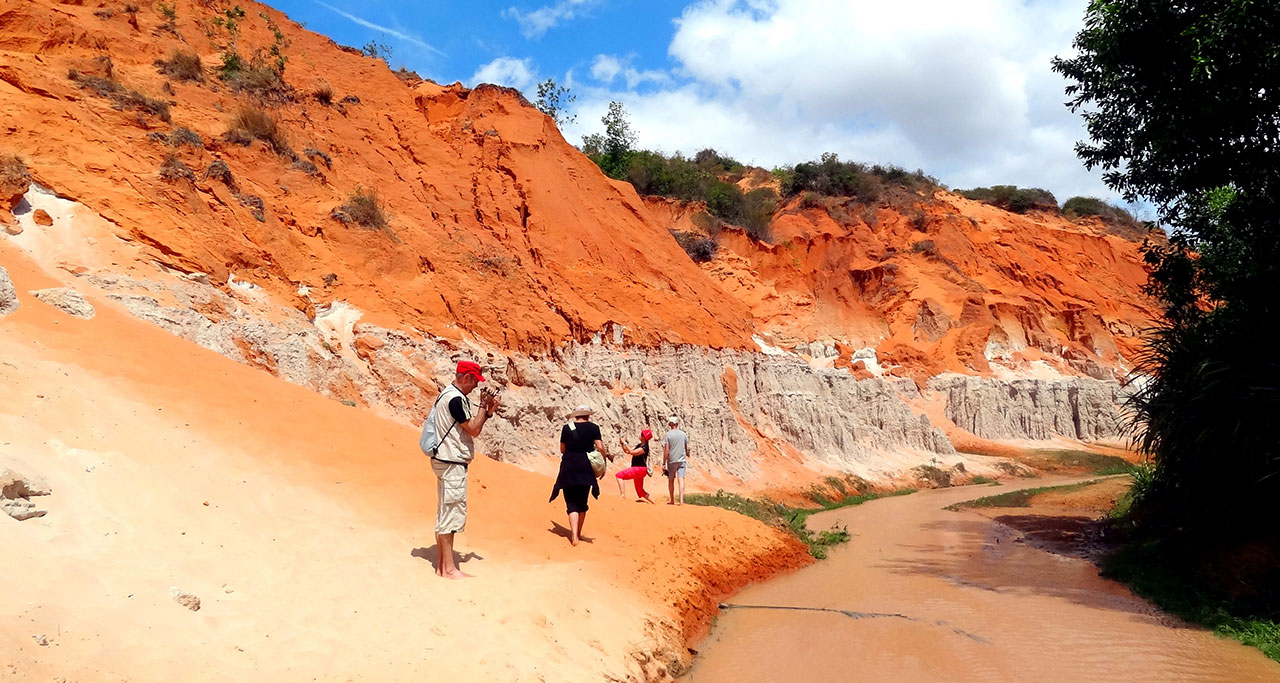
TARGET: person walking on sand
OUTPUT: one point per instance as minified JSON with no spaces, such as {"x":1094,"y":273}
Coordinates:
{"x":576,"y":478}
{"x":639,"y":466}
{"x":675,"y":452}
{"x":448,"y":436}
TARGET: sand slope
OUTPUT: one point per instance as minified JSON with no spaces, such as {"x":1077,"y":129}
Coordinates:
{"x":312,"y":558}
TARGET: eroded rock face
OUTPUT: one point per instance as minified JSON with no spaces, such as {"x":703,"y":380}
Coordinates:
{"x":67,"y":300}
{"x":8,"y":295}
{"x":735,"y":404}
{"x":738,"y":406}
{"x":1077,"y":408}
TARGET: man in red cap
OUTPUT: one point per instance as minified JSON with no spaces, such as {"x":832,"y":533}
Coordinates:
{"x":449,"y":438}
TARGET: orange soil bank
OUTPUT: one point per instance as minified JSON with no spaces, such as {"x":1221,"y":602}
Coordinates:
{"x":305,"y":528}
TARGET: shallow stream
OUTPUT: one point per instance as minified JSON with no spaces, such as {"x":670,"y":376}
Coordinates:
{"x":922,"y":593}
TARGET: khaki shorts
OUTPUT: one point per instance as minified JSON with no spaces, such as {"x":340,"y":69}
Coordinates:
{"x":451,"y":496}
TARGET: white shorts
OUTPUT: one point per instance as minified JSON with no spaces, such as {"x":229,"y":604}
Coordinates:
{"x":451,"y":496}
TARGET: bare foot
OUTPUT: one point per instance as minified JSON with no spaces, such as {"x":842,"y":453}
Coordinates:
{"x":573,"y":541}
{"x":456,"y":574}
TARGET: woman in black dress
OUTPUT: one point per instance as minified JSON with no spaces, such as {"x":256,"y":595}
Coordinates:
{"x":576,"y":477}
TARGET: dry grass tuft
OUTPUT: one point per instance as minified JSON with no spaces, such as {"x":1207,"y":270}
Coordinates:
{"x":251,"y":123}
{"x":184,"y":66}
{"x":323,"y":92}
{"x":364,"y":208}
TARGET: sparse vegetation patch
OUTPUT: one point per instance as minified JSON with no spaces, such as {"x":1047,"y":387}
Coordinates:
{"x":323,"y":92}
{"x":831,"y":177}
{"x":122,"y":98}
{"x":699,"y":247}
{"x":185,"y":136}
{"x":364,"y":208}
{"x":789,"y":519}
{"x":314,"y":154}
{"x":1013,"y":198}
{"x":220,"y":171}
{"x":183,"y":66}
{"x":252,"y":123}
{"x":173,"y":169}
{"x":1117,"y":219}
{"x":1018,"y":499}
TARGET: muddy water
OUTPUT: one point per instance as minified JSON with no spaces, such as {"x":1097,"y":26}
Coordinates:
{"x":921,"y":593}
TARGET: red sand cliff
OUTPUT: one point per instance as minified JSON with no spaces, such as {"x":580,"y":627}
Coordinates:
{"x":938,"y":283}
{"x":496,"y":224}
{"x":500,"y":229}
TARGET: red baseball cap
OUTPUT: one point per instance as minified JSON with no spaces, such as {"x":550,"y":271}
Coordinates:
{"x":646,"y":435}
{"x":466,"y":367}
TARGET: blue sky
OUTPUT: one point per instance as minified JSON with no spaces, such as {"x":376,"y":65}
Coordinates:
{"x":462,"y":37}
{"x":962,"y":90}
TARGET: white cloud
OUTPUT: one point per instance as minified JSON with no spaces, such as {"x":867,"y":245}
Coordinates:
{"x":508,"y":71}
{"x":534,"y":24}
{"x":962,"y":90}
{"x":378,"y":27}
{"x":607,"y":68}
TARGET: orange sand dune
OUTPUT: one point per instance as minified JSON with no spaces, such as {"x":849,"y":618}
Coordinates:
{"x":305,"y":528}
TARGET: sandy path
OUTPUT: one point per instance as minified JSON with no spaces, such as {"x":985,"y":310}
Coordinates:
{"x":312,"y":558}
{"x":930,"y":594}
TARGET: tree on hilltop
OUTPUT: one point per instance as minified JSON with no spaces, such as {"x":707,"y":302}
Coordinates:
{"x":612,"y":150}
{"x":553,"y":100}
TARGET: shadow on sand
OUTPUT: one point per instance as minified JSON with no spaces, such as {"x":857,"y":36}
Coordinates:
{"x":563,"y":532}
{"x":432,"y":555}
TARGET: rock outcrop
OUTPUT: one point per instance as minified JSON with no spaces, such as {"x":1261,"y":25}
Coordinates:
{"x":739,"y":405}
{"x":16,"y":492}
{"x":1077,"y":408}
{"x":8,"y":295}
{"x":67,"y":300}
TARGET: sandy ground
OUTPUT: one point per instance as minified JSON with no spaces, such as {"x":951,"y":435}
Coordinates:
{"x":305,"y":528}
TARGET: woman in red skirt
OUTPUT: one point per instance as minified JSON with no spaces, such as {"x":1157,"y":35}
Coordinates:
{"x":639,"y":465}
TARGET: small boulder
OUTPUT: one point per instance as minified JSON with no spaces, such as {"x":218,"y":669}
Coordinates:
{"x":16,"y":491}
{"x":42,"y":217}
{"x":8,"y":295}
{"x":66,"y":300}
{"x":13,"y":229}
{"x":188,"y":600}
{"x":21,"y":509}
{"x":14,"y":182}
{"x":14,"y":485}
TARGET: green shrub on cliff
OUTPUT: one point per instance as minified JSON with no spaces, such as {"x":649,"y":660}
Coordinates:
{"x":1013,"y":198}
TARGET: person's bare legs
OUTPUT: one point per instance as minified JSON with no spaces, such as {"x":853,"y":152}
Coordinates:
{"x":445,"y":565}
{"x":671,"y":488}
{"x":640,"y":492}
{"x":573,"y":527}
{"x":681,"y":491}
{"x":621,"y":493}
{"x":582,"y":518}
